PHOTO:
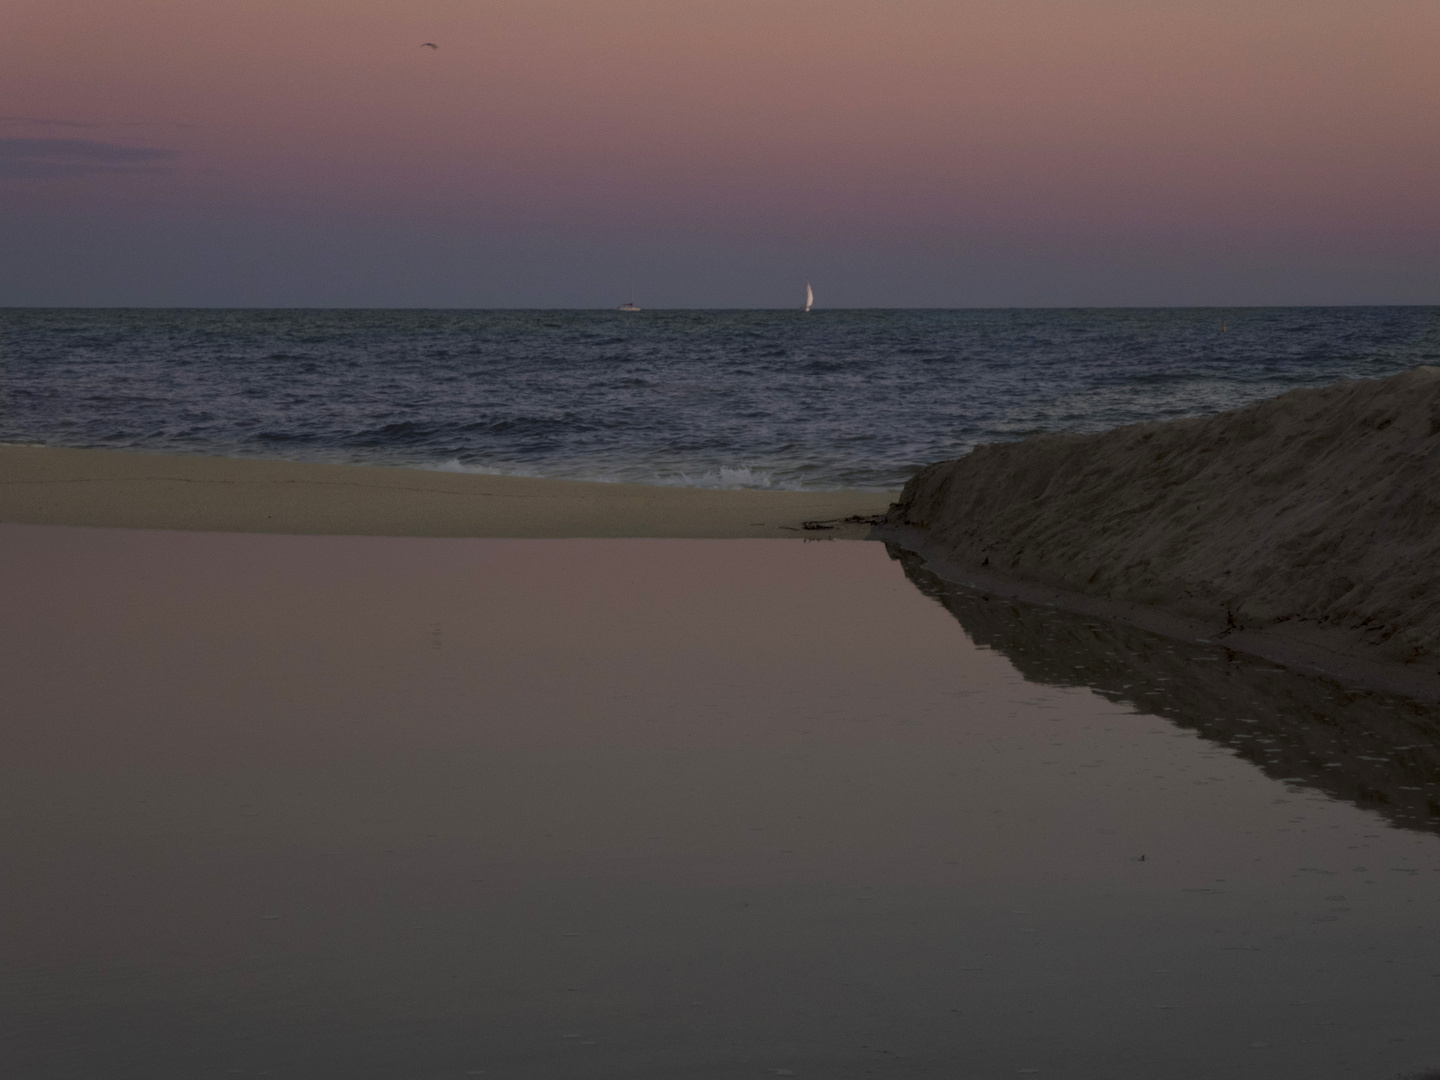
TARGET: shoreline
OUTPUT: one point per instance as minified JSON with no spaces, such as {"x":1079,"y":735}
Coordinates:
{"x":132,"y":490}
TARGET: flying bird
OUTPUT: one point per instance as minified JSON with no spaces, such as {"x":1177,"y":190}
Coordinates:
{"x":429,"y":45}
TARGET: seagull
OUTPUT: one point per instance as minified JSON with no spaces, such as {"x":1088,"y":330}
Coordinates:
{"x":429,"y":45}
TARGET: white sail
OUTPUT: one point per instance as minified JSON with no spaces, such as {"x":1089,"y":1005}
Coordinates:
{"x":809,"y":296}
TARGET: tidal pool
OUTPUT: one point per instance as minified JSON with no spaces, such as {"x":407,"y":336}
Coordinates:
{"x":357,"y":807}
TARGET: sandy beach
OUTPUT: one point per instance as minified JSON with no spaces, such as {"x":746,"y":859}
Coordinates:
{"x":53,"y":486}
{"x":483,"y":775}
{"x":424,"y":428}
{"x":1297,"y":529}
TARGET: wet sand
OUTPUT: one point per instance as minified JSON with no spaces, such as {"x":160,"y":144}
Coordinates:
{"x":372,"y":807}
{"x":55,"y":486}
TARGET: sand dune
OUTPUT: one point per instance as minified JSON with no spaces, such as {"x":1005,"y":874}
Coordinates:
{"x":1312,"y":517}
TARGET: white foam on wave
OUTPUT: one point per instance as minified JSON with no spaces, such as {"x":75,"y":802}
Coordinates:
{"x":724,"y":477}
{"x":731,"y":477}
{"x":455,"y":465}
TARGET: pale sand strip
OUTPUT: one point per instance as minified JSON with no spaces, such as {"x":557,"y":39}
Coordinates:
{"x":49,"y":486}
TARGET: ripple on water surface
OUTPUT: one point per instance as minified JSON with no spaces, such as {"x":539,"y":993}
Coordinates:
{"x":746,"y":399}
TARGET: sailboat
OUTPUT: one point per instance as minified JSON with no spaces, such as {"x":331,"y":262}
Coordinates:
{"x":630,"y":305}
{"x":809,"y":296}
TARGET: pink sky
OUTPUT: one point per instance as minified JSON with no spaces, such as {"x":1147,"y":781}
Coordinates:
{"x":940,"y":153}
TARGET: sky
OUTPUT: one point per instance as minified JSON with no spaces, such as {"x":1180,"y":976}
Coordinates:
{"x":719,"y":153}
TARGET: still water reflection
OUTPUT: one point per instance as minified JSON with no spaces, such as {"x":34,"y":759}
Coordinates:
{"x":1378,"y":751}
{"x":360,"y":807}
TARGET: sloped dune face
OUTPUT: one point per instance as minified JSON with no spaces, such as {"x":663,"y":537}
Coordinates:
{"x":1318,"y":509}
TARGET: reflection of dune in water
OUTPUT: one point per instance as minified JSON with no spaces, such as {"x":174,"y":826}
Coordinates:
{"x":1378,"y":751}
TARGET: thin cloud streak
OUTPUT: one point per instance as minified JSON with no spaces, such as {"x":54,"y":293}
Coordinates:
{"x":45,"y":121}
{"x":54,"y":158}
{"x":50,"y":121}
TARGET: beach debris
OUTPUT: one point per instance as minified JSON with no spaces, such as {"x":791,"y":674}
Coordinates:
{"x":823,"y":524}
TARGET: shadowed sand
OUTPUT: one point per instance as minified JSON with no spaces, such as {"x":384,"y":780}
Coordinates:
{"x":49,"y":486}
{"x":1303,"y":528}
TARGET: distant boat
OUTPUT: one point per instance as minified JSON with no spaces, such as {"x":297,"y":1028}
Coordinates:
{"x":809,"y":296}
{"x":631,"y":306}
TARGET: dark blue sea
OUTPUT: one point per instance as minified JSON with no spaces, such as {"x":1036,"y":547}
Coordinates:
{"x":777,"y":399}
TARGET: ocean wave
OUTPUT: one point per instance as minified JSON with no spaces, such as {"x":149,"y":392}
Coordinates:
{"x":735,"y":477}
{"x":743,"y":400}
{"x":723,"y":477}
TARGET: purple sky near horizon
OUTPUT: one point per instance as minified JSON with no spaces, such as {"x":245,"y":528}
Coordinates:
{"x":719,"y":153}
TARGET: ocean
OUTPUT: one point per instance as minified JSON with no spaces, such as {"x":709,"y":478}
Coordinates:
{"x":762,"y":399}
